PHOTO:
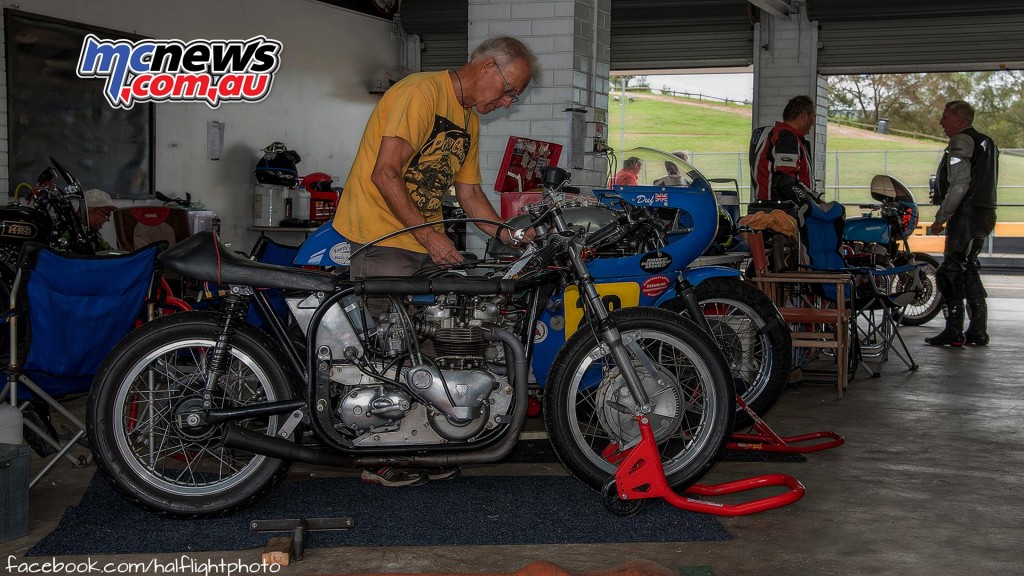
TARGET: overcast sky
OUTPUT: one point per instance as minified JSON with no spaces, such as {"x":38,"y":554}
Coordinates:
{"x":731,"y":86}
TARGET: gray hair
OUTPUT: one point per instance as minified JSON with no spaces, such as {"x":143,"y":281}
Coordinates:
{"x":505,"y":49}
{"x":962,"y":110}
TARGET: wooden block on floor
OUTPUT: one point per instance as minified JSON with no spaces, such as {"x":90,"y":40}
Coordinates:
{"x":278,"y":550}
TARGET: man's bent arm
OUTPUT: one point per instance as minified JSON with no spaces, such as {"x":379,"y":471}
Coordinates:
{"x":387,"y":176}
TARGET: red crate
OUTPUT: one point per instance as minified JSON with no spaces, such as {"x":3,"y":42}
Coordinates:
{"x":323,"y":205}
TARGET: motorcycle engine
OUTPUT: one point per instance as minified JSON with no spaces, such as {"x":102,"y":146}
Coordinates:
{"x":454,"y":326}
{"x":450,"y":396}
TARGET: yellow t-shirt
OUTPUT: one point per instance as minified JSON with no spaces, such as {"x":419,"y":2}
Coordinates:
{"x":422,"y":110}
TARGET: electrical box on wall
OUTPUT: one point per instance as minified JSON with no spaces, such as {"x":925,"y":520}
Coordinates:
{"x":577,"y":132}
{"x":600,"y":137}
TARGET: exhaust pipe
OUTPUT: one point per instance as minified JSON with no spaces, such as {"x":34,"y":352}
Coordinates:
{"x":244,"y":439}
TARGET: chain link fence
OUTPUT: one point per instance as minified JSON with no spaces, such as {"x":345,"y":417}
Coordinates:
{"x":847,"y":176}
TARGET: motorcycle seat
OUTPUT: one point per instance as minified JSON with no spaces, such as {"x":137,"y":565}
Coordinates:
{"x":204,"y":257}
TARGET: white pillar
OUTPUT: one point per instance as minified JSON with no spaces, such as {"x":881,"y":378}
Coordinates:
{"x":571,"y":39}
{"x":786,"y":65}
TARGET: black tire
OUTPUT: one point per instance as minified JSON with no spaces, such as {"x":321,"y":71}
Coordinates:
{"x":589,"y":412}
{"x":157,"y":372}
{"x":753,"y":338}
{"x":928,"y":302}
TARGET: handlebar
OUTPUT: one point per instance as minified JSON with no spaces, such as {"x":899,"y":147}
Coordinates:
{"x":184,"y":203}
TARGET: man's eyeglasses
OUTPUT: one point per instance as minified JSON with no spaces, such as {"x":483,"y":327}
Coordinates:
{"x":509,"y":90}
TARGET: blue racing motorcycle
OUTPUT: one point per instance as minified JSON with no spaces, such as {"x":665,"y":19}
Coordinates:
{"x":879,"y":238}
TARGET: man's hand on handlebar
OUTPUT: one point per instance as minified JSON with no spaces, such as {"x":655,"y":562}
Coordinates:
{"x":516,"y":237}
{"x":441,"y":249}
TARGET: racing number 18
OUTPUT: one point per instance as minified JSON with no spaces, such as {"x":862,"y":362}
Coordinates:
{"x":614,"y":296}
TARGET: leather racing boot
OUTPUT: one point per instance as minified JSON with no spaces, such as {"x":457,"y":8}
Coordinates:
{"x":977,"y":331}
{"x":953,"y":334}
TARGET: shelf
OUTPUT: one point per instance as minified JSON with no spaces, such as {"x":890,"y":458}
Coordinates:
{"x":263,"y":230}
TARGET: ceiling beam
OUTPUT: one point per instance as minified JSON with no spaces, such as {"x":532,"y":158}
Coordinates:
{"x":780,"y":8}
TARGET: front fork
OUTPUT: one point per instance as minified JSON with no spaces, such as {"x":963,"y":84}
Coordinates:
{"x":688,"y":293}
{"x":607,"y":329}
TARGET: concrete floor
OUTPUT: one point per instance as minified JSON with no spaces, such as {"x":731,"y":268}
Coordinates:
{"x":930,"y":481}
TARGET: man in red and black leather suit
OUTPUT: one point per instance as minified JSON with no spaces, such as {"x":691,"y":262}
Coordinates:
{"x":780,"y":156}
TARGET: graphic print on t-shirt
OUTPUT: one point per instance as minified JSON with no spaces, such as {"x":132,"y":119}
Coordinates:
{"x":432,"y":169}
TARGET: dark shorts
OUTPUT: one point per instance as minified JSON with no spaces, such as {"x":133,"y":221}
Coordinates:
{"x":385,"y":261}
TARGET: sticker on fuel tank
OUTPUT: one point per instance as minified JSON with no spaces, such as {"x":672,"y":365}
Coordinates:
{"x":655,"y":286}
{"x":655,"y":262}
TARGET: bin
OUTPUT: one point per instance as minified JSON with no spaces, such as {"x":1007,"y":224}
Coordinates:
{"x":268,"y":204}
{"x":14,"y":473}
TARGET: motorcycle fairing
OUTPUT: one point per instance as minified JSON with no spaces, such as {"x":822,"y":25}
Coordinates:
{"x":620,"y":280}
{"x":696,"y":205}
{"x":325,"y":247}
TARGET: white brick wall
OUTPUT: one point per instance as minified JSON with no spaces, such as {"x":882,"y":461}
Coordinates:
{"x":560,"y":32}
{"x":785,"y":65}
{"x":5,"y":182}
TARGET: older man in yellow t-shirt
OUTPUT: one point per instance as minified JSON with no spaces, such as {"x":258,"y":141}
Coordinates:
{"x":423,"y":138}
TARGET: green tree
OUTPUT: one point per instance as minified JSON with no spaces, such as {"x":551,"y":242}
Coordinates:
{"x":914,"y":102}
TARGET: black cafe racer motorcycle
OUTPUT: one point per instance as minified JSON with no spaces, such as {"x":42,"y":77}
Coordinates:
{"x":201,"y":413}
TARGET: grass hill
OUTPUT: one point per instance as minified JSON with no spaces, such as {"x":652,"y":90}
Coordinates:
{"x":718,"y":136}
{"x":673,"y":123}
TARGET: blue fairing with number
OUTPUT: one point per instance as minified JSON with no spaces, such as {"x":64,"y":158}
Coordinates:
{"x":643,"y":280}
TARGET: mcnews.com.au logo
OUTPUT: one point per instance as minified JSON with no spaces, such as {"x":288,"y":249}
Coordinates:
{"x":210,"y":71}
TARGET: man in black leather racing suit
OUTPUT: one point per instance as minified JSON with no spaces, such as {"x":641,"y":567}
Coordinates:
{"x":966,"y":186}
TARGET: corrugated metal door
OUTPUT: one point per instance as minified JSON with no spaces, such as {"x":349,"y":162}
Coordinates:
{"x":664,"y":35}
{"x":443,"y":26}
{"x":879,"y":36}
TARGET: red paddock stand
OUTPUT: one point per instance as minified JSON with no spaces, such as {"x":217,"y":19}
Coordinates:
{"x":766,"y":440}
{"x":641,"y":476}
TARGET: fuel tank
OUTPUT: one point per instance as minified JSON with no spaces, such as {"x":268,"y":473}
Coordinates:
{"x":867,"y":230}
{"x":23,"y":224}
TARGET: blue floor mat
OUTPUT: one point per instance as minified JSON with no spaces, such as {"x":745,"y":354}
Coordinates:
{"x":469,"y":510}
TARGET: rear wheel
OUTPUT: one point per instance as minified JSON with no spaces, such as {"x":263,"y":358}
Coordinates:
{"x":928,"y":301}
{"x":753,"y":338}
{"x":589,"y":410}
{"x":145,"y":392}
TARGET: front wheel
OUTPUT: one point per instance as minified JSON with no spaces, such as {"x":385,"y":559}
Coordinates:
{"x":927,"y":300}
{"x":753,"y":338}
{"x":589,"y":410}
{"x":146,"y":389}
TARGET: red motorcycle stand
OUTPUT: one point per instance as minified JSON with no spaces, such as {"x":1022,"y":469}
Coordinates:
{"x":641,"y":476}
{"x":766,"y":440}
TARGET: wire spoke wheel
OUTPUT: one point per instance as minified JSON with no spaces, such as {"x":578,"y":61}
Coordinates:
{"x":591,"y":412}
{"x":162,"y":390}
{"x":146,"y":416}
{"x":755,"y":342}
{"x":927,"y":301}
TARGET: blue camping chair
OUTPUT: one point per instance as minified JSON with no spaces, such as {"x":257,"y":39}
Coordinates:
{"x":876,"y":297}
{"x":74,"y":310}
